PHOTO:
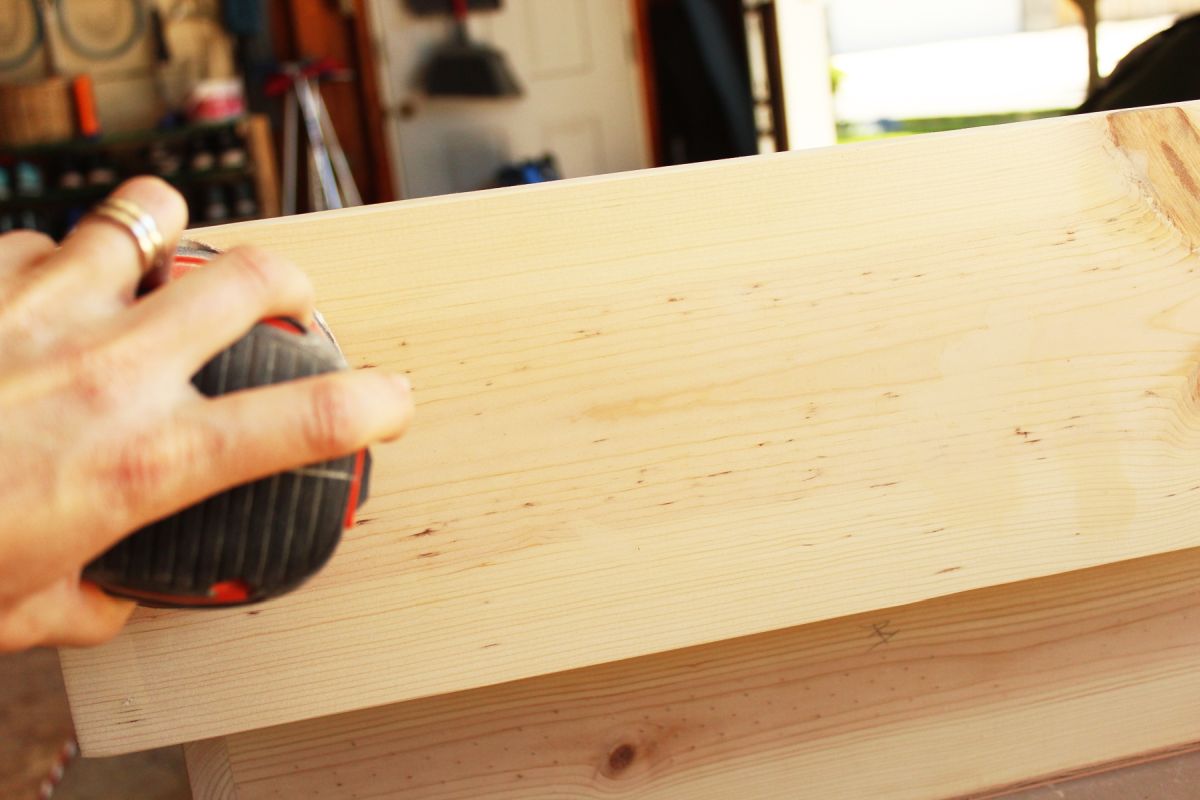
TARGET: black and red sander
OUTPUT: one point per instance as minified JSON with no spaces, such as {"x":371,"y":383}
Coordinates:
{"x":261,"y":539}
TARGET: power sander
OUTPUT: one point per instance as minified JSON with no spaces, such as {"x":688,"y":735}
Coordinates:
{"x":261,"y":539}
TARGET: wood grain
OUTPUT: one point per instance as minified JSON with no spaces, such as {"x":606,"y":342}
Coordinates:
{"x":209,"y":771}
{"x":678,"y":406}
{"x":954,"y":696}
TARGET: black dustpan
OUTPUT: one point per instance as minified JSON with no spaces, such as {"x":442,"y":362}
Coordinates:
{"x":462,"y":68}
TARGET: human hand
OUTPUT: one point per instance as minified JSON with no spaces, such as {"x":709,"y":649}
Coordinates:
{"x":101,"y":431}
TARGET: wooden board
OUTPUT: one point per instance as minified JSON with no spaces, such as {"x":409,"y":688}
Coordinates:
{"x":954,"y":696}
{"x":674,"y":407}
{"x":208,"y":770}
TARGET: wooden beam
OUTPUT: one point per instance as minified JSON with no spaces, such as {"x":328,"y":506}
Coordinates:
{"x":673,"y":407}
{"x":257,"y":131}
{"x":956,"y":696}
{"x":209,"y":771}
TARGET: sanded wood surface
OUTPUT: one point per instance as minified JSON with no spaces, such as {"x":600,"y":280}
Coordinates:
{"x":954,"y":696}
{"x":674,"y":407}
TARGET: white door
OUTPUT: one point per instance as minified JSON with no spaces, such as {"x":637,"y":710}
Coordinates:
{"x":577,"y":63}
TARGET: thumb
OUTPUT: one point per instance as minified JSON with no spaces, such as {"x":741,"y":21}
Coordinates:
{"x":68,"y":612}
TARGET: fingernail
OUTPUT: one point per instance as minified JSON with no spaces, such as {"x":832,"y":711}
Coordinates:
{"x":402,"y":383}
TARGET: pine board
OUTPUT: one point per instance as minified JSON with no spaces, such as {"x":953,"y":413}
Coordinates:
{"x":678,"y":406}
{"x":956,"y":696}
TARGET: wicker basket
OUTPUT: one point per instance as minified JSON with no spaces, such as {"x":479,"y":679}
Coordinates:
{"x":35,"y":112}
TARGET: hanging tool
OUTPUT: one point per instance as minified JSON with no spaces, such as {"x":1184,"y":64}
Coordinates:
{"x":255,"y":541}
{"x":463,"y":68}
{"x":331,"y":183}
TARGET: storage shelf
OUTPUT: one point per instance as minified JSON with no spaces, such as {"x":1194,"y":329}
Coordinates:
{"x":63,"y":197}
{"x":125,"y":139}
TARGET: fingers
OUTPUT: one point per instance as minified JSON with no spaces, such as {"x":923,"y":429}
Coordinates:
{"x":21,"y":254}
{"x":236,"y":438}
{"x":100,"y":253}
{"x":20,"y":250}
{"x":66,"y":613}
{"x":302,"y":422}
{"x":87,"y":617}
{"x":189,"y":320}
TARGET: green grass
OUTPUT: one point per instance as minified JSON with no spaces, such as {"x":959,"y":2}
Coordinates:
{"x":848,"y":132}
{"x":851,"y":138}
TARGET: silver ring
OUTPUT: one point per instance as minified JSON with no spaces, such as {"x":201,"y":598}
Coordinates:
{"x":131,"y":217}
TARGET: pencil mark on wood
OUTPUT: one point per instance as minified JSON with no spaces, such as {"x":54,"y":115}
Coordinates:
{"x":880,"y":631}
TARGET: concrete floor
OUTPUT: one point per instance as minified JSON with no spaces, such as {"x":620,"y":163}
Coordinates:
{"x":35,"y":722}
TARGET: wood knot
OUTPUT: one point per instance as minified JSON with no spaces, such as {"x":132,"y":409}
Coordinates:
{"x":620,"y":759}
